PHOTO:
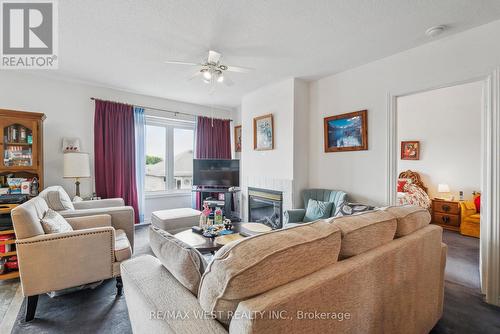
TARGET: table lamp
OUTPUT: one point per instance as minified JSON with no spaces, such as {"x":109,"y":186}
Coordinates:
{"x":444,"y":189}
{"x":76,"y":166}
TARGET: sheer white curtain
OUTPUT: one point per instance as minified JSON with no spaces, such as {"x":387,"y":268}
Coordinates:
{"x":140,"y":157}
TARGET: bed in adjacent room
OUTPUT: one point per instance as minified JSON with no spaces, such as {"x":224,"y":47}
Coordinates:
{"x":411,"y":190}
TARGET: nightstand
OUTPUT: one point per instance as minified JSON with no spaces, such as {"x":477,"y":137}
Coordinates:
{"x":446,"y":214}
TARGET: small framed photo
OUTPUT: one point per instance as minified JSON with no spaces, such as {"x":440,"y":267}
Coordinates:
{"x":346,"y":132}
{"x":263,"y":133}
{"x":410,"y":150}
{"x":237,"y":138}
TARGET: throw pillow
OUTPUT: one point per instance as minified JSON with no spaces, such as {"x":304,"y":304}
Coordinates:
{"x":184,"y":262}
{"x":53,"y":222}
{"x":317,"y":210}
{"x":57,"y":198}
{"x":401,"y":185}
{"x":347,"y":209}
{"x":477,"y":203}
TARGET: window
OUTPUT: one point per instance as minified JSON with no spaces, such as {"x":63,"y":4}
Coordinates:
{"x":169,"y":155}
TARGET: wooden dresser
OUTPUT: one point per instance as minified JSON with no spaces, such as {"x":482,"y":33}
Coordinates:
{"x":446,"y":214}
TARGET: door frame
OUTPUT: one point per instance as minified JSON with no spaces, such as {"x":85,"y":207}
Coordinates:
{"x":490,"y":175}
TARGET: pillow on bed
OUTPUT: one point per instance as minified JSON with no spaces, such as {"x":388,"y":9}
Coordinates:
{"x":402,"y":184}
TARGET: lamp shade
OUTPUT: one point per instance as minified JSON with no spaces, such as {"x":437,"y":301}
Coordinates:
{"x":76,"y":165}
{"x":443,"y":188}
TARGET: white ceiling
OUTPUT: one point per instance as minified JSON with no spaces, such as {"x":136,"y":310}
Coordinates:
{"x":123,"y":43}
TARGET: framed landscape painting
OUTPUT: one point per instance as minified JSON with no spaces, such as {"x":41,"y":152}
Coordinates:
{"x":346,"y":132}
{"x":237,"y":138}
{"x":263,"y":133}
{"x":410,"y":150}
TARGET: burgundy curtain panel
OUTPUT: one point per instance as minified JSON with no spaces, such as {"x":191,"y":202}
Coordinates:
{"x":213,"y":138}
{"x":213,"y":141}
{"x":114,"y":152}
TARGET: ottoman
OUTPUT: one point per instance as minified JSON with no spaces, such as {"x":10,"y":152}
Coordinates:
{"x":175,"y":220}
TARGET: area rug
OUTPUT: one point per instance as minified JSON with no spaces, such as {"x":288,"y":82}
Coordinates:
{"x":96,"y":310}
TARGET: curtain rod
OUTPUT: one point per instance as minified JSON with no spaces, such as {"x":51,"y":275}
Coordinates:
{"x":151,"y":108}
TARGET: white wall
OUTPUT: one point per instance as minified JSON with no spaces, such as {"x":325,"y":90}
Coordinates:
{"x":300,"y":141}
{"x":285,"y":168}
{"x":70,"y":113}
{"x":276,"y":99}
{"x":363,"y":174}
{"x":447,"y":122}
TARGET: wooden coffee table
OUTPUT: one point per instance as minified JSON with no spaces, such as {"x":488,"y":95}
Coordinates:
{"x":208,"y":245}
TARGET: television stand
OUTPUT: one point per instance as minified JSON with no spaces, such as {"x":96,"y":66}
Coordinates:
{"x":214,"y":194}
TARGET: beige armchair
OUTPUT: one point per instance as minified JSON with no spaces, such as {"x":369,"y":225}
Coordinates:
{"x":122,"y":216}
{"x":91,"y":252}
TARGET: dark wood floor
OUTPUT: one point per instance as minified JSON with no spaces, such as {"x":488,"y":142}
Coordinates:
{"x":464,"y":308}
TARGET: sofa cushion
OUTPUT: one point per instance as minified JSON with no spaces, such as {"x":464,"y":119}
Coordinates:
{"x":365,"y":231}
{"x":53,"y":222}
{"x":26,"y":218}
{"x":251,"y":266}
{"x":123,"y":251}
{"x":317,"y":210}
{"x":184,"y":262}
{"x":409,"y":218}
{"x":57,"y":198}
{"x":475,"y":218}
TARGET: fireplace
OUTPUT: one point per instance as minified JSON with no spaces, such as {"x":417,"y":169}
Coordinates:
{"x":266,"y":207}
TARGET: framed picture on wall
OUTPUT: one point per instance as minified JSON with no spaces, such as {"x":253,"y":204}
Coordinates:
{"x":346,"y":132}
{"x":263,"y":133}
{"x":237,"y":138}
{"x":410,"y":150}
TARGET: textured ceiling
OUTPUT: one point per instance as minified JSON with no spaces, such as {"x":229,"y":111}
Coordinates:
{"x":123,"y":43}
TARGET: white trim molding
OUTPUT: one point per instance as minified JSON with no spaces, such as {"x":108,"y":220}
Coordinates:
{"x":490,"y":199}
{"x":490,"y":175}
{"x":392,"y":149}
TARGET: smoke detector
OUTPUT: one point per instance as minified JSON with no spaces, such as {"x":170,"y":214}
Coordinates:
{"x":434,"y":31}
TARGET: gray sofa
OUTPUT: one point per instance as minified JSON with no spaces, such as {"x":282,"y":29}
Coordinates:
{"x":383,"y":274}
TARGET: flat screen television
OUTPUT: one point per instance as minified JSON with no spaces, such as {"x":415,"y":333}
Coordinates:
{"x":217,"y":173}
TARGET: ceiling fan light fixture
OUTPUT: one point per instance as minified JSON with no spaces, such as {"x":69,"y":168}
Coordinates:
{"x":220,"y":78}
{"x":207,"y":75}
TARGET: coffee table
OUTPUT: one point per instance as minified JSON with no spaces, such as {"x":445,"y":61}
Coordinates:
{"x":208,"y":245}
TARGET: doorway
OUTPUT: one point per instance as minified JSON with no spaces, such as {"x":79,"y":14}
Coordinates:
{"x":490,"y":176}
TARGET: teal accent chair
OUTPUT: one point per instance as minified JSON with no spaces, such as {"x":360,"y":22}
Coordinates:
{"x":296,"y":216}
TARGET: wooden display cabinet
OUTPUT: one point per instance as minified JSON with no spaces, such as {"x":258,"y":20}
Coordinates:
{"x":5,"y":209}
{"x":21,"y":145}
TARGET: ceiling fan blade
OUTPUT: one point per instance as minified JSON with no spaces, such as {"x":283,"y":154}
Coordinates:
{"x":239,"y":69}
{"x":197,"y":73}
{"x":227,"y":81}
{"x":181,"y":63}
{"x":213,"y":57}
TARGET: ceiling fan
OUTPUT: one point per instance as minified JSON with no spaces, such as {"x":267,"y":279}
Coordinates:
{"x":212,"y":70}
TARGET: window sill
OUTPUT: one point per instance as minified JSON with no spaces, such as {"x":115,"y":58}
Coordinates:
{"x":160,"y":194}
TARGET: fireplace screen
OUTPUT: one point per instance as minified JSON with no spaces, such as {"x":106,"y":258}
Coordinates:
{"x":266,"y":207}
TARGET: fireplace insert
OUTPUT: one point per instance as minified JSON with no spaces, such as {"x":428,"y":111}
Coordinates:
{"x":265,"y":207}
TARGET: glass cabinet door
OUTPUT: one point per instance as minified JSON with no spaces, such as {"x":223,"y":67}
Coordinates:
{"x":18,"y":148}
